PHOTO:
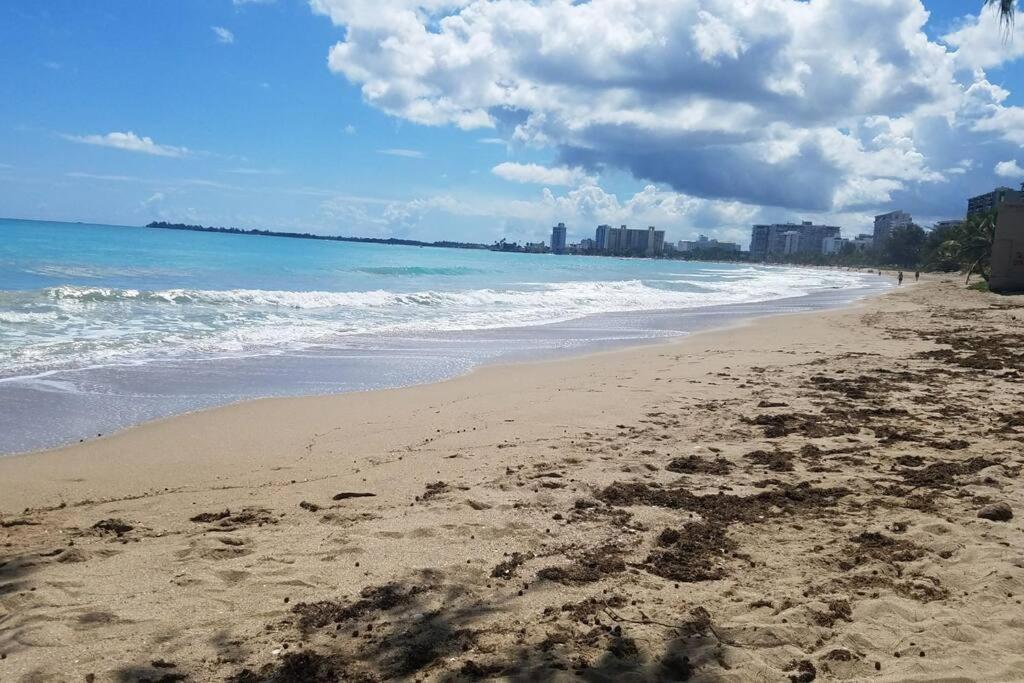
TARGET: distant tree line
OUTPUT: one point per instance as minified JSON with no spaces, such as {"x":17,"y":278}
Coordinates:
{"x":966,"y":247}
{"x":310,"y":236}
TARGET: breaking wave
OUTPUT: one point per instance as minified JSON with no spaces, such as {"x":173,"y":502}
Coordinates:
{"x":76,"y":325}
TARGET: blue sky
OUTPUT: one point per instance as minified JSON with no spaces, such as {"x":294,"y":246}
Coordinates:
{"x":478,"y":120}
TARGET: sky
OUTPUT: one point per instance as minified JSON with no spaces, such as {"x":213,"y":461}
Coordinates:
{"x":479,"y":120}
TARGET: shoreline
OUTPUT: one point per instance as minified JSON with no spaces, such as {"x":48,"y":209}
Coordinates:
{"x":550,"y":356}
{"x":793,"y":493}
{"x":301,"y":374}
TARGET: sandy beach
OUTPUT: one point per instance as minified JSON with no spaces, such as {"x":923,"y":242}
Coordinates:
{"x":796,"y":498}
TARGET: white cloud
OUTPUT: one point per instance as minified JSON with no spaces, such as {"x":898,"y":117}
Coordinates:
{"x":131,"y":142}
{"x":350,"y":129}
{"x":981,"y":41}
{"x":255,"y":171}
{"x":818,"y":106}
{"x":104,"y":176}
{"x":474,"y":217}
{"x":491,"y":141}
{"x":408,"y":153}
{"x":1009,"y":169}
{"x":223,"y":35}
{"x":535,"y":173}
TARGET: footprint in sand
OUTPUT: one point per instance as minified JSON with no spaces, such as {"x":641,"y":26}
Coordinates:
{"x":216,"y":548}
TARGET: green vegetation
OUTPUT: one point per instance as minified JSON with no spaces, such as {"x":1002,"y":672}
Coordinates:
{"x":966,"y":247}
{"x":969,"y":245}
{"x":981,"y":286}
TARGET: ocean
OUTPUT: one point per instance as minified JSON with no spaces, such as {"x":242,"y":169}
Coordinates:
{"x":102,"y":327}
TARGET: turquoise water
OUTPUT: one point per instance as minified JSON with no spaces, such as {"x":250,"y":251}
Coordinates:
{"x":106,"y":322}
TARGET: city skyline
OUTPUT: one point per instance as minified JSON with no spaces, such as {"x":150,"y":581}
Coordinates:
{"x":281,"y":114}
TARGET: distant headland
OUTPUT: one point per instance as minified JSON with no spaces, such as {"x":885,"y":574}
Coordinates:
{"x":163,"y":225}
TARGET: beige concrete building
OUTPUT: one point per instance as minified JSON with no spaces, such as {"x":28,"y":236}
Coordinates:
{"x":1008,"y":250}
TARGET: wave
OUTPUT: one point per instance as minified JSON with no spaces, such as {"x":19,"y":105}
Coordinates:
{"x":27,"y":317}
{"x":75,"y":325}
{"x":413,"y":271}
{"x":570,"y":299}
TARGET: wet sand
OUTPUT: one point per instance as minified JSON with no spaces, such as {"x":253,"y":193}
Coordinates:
{"x":793,"y":499}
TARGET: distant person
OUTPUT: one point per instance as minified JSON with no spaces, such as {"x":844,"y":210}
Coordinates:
{"x":917,"y":275}
{"x":899,"y":278}
{"x":879,"y":273}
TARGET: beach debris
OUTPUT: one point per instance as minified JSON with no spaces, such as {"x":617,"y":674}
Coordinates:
{"x":725,"y":508}
{"x":592,"y":566}
{"x":838,"y":610}
{"x":872,"y":545}
{"x":229,"y":521}
{"x":772,"y":404}
{"x":806,"y":424}
{"x":21,"y":521}
{"x":345,"y":495}
{"x":507,"y":568}
{"x":372,"y":599}
{"x":805,"y":671}
{"x":691,"y":554}
{"x":207,"y":517}
{"x":296,"y":667}
{"x":433,"y":489}
{"x":693,"y":464}
{"x":997,"y":512}
{"x":940,"y":475}
{"x":776,"y":461}
{"x":112,"y":526}
{"x":312,"y":507}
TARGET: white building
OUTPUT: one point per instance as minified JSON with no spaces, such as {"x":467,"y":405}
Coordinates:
{"x":790,"y":242}
{"x":887,"y":222}
{"x":833,"y":245}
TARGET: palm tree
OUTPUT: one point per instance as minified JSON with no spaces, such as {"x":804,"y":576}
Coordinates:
{"x":975,"y":239}
{"x":1005,"y":8}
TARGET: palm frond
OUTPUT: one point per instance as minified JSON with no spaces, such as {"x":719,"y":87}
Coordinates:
{"x":1006,"y":10}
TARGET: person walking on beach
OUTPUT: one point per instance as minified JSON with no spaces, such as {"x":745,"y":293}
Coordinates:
{"x":917,"y":275}
{"x":899,"y":278}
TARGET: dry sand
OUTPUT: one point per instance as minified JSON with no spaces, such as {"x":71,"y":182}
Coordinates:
{"x":793,"y":498}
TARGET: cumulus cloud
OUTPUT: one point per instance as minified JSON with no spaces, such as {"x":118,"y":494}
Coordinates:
{"x":981,"y":41}
{"x":1009,"y":169}
{"x":223,"y":35}
{"x":473,"y":217}
{"x":130,"y":142}
{"x":535,"y":173}
{"x":825,"y":105}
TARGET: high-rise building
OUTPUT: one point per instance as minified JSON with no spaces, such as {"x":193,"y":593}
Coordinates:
{"x":704,"y":244}
{"x":558,"y":238}
{"x":948,"y":224}
{"x":783,"y":239}
{"x":864,"y":242}
{"x":991,"y":200}
{"x":887,"y":222}
{"x":631,"y":242}
{"x":833,"y":245}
